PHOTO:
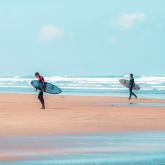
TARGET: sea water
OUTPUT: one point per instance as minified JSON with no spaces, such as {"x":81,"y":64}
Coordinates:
{"x":151,"y":86}
{"x":95,"y":149}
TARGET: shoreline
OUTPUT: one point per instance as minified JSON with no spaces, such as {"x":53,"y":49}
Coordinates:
{"x":110,"y":95}
{"x":159,"y":96}
{"x":20,"y":115}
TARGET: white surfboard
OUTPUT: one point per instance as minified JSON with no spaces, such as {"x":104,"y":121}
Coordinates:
{"x":125,"y":83}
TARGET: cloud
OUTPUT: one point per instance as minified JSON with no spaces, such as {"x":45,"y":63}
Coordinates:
{"x":50,"y":32}
{"x":128,"y":20}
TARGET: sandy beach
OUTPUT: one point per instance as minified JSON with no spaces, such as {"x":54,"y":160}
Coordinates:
{"x":20,"y":115}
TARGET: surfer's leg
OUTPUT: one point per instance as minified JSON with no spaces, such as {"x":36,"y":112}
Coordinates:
{"x":42,"y":100}
{"x":130,"y":93}
{"x":134,"y":95}
{"x":40,"y":97}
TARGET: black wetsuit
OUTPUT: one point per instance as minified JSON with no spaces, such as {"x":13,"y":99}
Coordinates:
{"x":40,"y":95}
{"x":131,"y":85}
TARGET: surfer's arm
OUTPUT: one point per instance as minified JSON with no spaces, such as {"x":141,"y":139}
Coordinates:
{"x":131,"y":83}
{"x":41,"y":80}
{"x":43,"y":84}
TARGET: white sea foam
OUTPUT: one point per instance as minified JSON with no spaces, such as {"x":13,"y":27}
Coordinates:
{"x":147,"y":83}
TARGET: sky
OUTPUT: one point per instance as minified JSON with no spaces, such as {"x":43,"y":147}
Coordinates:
{"x":82,"y":37}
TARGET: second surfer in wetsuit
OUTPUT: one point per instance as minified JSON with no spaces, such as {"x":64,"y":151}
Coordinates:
{"x":131,"y":86}
{"x":40,"y":95}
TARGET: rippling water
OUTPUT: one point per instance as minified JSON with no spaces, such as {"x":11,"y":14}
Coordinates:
{"x":101,"y":149}
{"x":151,"y":86}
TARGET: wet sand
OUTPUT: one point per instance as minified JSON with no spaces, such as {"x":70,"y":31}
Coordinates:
{"x":20,"y":115}
{"x":101,"y":149}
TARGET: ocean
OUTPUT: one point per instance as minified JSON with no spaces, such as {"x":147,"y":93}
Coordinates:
{"x":151,"y":86}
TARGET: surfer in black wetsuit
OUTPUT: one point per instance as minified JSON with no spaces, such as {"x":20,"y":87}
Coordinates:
{"x":40,"y":95}
{"x":131,"y":86}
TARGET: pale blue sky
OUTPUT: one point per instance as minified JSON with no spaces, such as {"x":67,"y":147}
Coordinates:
{"x":82,"y":37}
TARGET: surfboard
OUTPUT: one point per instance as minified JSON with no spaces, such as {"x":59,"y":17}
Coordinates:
{"x":48,"y":87}
{"x":125,"y":83}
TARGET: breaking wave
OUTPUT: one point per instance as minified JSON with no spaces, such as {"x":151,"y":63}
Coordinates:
{"x":93,"y":85}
